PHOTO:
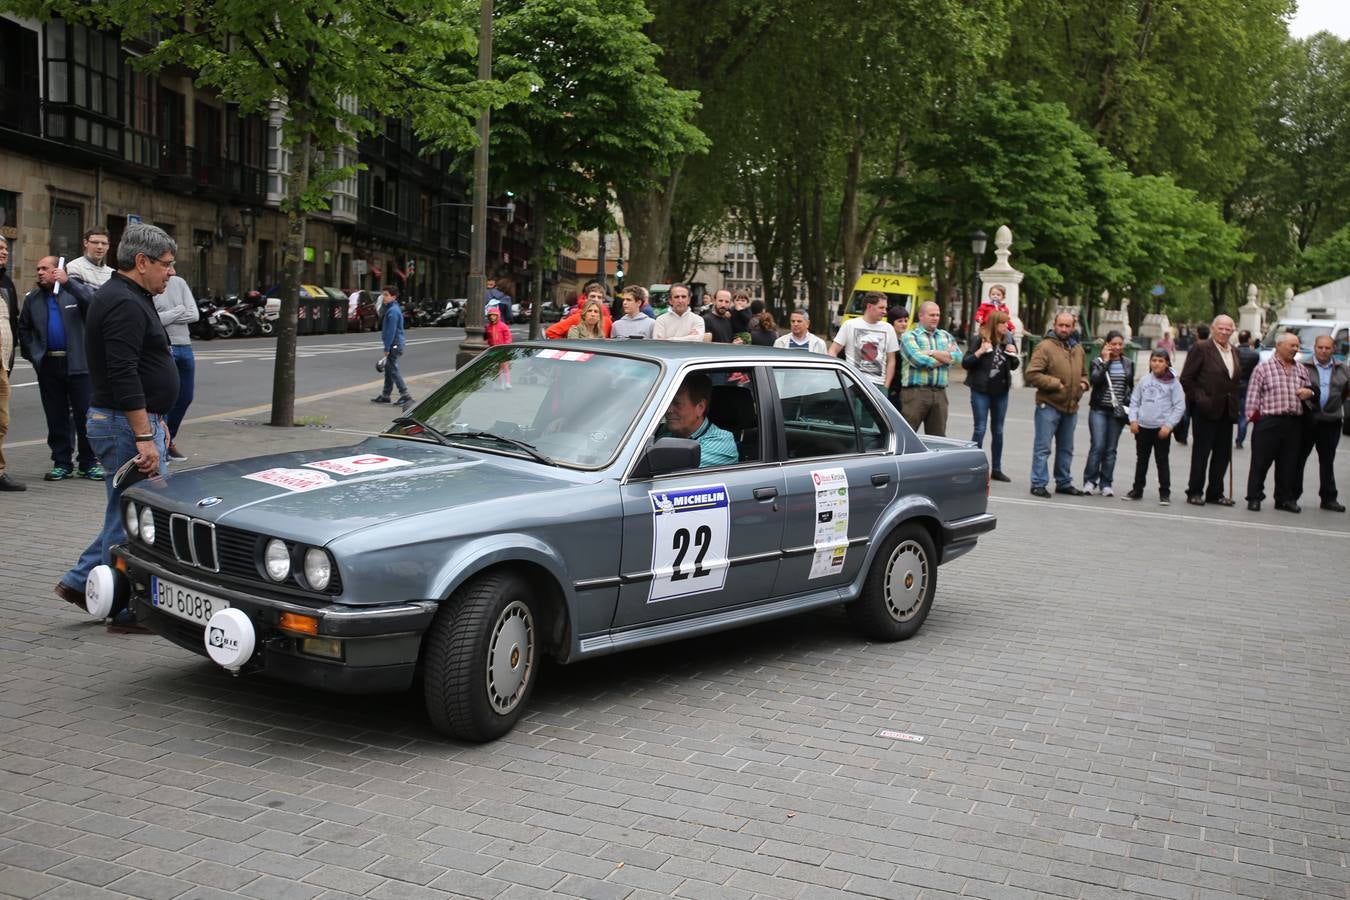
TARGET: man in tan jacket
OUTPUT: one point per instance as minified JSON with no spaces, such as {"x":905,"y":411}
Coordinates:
{"x":1056,"y":372}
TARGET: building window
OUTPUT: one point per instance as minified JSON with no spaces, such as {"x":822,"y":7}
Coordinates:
{"x":84,"y":86}
{"x":278,"y":162}
{"x":19,"y":101}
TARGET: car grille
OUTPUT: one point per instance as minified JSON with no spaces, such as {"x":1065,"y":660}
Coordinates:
{"x":232,"y":552}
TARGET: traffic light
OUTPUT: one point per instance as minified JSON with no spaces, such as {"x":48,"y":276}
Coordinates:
{"x":618,"y":269}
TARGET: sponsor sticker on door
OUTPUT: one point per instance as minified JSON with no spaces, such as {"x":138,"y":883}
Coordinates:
{"x":690,"y":531}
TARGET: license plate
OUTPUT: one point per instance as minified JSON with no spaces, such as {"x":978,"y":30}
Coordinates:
{"x":184,"y":603}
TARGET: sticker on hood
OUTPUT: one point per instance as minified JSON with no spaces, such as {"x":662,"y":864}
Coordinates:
{"x":356,"y":465}
{"x":293,"y":479}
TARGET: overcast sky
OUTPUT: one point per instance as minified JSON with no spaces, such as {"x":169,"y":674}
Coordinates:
{"x":1321,"y":15}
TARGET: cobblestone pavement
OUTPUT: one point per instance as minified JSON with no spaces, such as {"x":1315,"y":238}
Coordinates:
{"x":1114,"y":700}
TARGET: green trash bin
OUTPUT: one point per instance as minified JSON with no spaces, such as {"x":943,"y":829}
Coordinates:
{"x":305,"y":314}
{"x":339,"y":323}
{"x":323,"y":321}
{"x":1029,"y":342}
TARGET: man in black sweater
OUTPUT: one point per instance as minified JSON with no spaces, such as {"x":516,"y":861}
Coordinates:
{"x":135,"y":384}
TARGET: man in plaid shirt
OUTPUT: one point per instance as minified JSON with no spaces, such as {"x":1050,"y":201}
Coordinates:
{"x":929,"y":353}
{"x":1275,"y":396}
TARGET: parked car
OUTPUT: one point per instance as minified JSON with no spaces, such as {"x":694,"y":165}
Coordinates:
{"x":367,"y":315}
{"x":550,"y":311}
{"x":486,"y":529}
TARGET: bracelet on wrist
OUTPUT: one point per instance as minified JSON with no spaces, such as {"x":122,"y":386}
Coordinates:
{"x":143,"y":438}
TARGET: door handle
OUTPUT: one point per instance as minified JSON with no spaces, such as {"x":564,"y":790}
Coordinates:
{"x":766,"y":493}
{"x":881,"y":480}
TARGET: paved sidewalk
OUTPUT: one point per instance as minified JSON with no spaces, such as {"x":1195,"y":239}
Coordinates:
{"x":1115,"y":700}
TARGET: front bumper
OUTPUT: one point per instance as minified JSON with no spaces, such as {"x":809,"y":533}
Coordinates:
{"x":380,"y":644}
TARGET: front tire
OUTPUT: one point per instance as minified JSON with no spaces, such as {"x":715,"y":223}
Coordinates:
{"x":900,"y":586}
{"x":482,"y":658}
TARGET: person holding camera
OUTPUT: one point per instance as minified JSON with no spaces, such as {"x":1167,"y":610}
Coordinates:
{"x":1112,"y":380}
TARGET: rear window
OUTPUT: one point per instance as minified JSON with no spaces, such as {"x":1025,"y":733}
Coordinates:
{"x":855,"y":303}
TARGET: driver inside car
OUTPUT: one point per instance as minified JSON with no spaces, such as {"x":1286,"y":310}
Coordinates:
{"x":687,"y":417}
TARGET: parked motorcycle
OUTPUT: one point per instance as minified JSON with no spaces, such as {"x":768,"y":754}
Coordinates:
{"x":255,"y":314}
{"x":202,"y":330}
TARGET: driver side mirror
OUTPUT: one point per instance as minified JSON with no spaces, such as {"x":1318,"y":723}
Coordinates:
{"x":666,"y":455}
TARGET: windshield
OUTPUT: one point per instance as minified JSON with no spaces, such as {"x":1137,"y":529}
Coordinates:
{"x":1307,"y":334}
{"x":566,"y":407}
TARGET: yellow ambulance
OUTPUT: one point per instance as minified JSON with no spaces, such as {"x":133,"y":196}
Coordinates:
{"x":900,"y":290}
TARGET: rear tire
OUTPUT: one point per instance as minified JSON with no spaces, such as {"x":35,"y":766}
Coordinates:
{"x":481,"y":658}
{"x":899,"y":589}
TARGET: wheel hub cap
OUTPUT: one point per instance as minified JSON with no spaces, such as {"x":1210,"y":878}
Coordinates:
{"x":906,"y":581}
{"x":510,"y":657}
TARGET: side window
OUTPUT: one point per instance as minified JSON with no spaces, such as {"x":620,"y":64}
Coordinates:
{"x":1342,"y":344}
{"x":817,"y":413}
{"x":726,"y":423}
{"x":870,"y":432}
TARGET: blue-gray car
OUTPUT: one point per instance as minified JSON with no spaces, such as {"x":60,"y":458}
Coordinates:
{"x":563,"y":498}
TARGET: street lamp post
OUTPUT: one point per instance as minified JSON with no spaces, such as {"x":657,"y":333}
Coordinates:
{"x":473,"y":343}
{"x":978,"y":240}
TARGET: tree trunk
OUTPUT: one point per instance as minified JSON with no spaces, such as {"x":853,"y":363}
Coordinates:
{"x":538,"y":208}
{"x":646,"y":215}
{"x":292,"y":267}
{"x":851,"y":241}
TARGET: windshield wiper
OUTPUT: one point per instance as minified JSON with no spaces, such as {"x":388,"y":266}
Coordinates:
{"x":527,"y":449}
{"x":413,"y":420}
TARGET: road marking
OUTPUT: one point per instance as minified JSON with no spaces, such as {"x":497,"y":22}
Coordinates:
{"x":1172,"y":517}
{"x":228,"y":362}
{"x":377,"y":384}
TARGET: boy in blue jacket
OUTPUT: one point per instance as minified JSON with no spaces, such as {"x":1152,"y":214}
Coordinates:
{"x":392,"y":334}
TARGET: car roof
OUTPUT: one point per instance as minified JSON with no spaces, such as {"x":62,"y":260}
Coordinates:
{"x":683,"y":351}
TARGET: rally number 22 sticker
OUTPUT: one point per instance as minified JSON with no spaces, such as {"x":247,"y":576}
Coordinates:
{"x":690,"y":528}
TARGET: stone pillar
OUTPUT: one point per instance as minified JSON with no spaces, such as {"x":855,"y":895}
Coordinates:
{"x":1002,"y":273}
{"x":1154,"y":326}
{"x":1114,"y":319}
{"x":1251,"y":315}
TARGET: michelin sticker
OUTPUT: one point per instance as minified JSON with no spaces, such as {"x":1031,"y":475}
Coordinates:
{"x":357,"y":465}
{"x":690,"y":529}
{"x":831,"y":536}
{"x":293,"y":479}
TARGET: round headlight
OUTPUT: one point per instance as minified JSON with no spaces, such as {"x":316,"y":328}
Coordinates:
{"x":147,"y":526}
{"x":130,"y":521}
{"x":277,"y":560}
{"x":318,"y":569}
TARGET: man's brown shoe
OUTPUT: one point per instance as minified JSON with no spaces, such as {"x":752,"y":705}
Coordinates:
{"x":69,"y":594}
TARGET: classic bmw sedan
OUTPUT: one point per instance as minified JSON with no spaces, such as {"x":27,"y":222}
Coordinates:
{"x":563,"y":498}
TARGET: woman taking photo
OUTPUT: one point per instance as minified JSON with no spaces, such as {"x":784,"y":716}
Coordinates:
{"x":1112,"y":380}
{"x":989,"y":376}
{"x":589,"y":328}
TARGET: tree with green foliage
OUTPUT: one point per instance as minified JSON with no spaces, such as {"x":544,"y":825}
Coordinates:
{"x":335,"y":69}
{"x":599,"y":117}
{"x":1081,"y":222}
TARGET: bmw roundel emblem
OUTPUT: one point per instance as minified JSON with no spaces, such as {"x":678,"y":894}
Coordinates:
{"x":207,"y":501}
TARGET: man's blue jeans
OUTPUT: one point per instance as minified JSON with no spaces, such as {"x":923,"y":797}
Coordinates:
{"x":1051,"y":424}
{"x":114,"y":443}
{"x":994,"y":408}
{"x":187,"y":379}
{"x":1105,"y":429}
{"x":392,"y":377}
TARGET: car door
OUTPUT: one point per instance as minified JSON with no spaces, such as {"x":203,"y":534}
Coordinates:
{"x":705,"y":540}
{"x":839,"y":470}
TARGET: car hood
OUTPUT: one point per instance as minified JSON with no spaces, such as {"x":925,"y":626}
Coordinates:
{"x":319,"y":495}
